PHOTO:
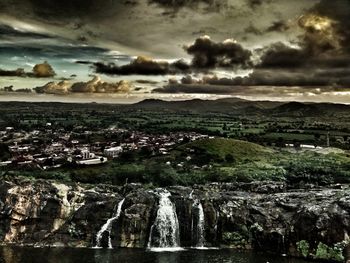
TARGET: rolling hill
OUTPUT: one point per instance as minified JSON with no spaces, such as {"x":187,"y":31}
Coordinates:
{"x":222,"y":147}
{"x":238,"y":106}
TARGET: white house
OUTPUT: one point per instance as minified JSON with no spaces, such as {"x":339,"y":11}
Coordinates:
{"x":86,"y":154}
{"x":113,"y":151}
{"x":94,"y":161}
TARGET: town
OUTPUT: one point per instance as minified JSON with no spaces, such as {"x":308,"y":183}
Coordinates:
{"x":48,"y":148}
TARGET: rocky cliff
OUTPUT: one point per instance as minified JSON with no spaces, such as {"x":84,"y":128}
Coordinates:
{"x":262,"y":216}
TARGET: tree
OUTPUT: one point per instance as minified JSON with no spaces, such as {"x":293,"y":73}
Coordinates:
{"x":296,"y":144}
{"x":4,"y":152}
{"x":229,"y":158}
{"x":280,"y":142}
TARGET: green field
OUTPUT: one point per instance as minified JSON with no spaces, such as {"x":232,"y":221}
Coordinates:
{"x":209,"y":160}
{"x":221,"y":147}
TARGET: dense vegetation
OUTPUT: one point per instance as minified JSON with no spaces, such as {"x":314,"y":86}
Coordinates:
{"x":4,"y":152}
{"x":210,"y":160}
{"x":262,"y":122}
{"x":271,"y":125}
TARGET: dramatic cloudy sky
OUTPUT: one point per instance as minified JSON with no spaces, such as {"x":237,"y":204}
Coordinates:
{"x":255,"y":49}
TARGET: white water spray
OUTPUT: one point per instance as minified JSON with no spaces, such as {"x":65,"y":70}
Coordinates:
{"x":164,"y":234}
{"x":198,"y":230}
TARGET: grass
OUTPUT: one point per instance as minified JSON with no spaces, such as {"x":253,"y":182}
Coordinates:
{"x":221,"y":147}
{"x":290,"y":136}
{"x":211,"y":160}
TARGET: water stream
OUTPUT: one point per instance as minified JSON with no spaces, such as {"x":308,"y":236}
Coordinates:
{"x":108,"y":227}
{"x":164,"y":234}
{"x":198,"y":238}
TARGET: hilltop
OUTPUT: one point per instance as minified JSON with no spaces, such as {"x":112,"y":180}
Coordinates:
{"x":240,"y":106}
{"x":223,"y":148}
{"x":232,"y":106}
{"x":199,"y":105}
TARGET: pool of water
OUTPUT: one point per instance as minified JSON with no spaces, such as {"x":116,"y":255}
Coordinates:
{"x":84,"y":255}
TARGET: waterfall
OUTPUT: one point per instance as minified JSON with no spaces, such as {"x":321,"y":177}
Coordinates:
{"x":191,"y":195}
{"x":164,"y":232}
{"x":198,"y":231}
{"x":200,"y":226}
{"x":108,"y":227}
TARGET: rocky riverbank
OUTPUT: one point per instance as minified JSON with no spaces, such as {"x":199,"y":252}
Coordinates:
{"x":263,"y":216}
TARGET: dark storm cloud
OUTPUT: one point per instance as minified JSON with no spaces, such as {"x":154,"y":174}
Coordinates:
{"x":68,"y":9}
{"x":255,"y":3}
{"x":264,"y":77}
{"x":279,"y":77}
{"x":320,"y":46}
{"x":251,"y":29}
{"x":278,"y":26}
{"x":338,"y":10}
{"x":83,"y":11}
{"x":196,"y":89}
{"x":118,"y":23}
{"x":181,"y":65}
{"x":254,"y":91}
{"x":321,"y":34}
{"x":319,"y":56}
{"x":212,"y":5}
{"x":13,"y":73}
{"x":206,"y":54}
{"x":209,"y":54}
{"x":7,"y":31}
{"x":64,"y":9}
{"x":279,"y":55}
{"x":263,"y":82}
{"x":325,"y":41}
{"x":146,"y":81}
{"x":15,"y":42}
{"x":317,"y":64}
{"x":142,"y":66}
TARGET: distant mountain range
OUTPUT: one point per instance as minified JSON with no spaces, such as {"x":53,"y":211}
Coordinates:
{"x":241,"y":106}
{"x":233,"y":106}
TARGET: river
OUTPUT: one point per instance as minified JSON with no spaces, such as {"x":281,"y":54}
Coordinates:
{"x":84,"y":255}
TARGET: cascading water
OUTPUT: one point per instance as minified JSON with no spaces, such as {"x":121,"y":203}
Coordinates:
{"x":191,"y":195}
{"x":108,"y":227}
{"x":164,"y":234}
{"x":198,"y":230}
{"x":200,"y":226}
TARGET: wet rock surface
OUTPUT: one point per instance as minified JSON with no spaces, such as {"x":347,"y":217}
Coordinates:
{"x":263,"y":216}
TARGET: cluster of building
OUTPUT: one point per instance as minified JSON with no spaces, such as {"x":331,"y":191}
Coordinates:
{"x":50,"y":148}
